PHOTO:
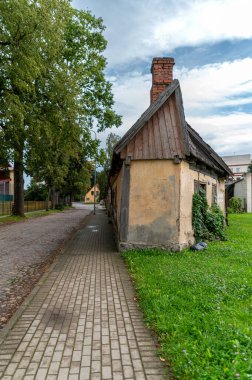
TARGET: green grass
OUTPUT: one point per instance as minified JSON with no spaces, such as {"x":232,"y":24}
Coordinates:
{"x":200,"y":304}
{"x":28,"y":215}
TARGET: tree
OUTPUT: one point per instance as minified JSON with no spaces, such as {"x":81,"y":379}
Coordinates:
{"x":52,"y":88}
{"x":250,"y":168}
{"x":36,"y":192}
{"x":30,"y":31}
{"x":103,"y":176}
{"x":102,"y":180}
{"x":78,"y":179}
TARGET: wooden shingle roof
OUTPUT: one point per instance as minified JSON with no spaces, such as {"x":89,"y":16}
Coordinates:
{"x":163,"y":133}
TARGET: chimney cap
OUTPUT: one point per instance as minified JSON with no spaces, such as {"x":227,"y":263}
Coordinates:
{"x":162,"y":60}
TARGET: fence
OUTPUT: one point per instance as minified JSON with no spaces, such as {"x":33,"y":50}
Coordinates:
{"x":29,"y":206}
{"x":6,"y":198}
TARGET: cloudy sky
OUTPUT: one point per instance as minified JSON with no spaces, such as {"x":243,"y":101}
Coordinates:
{"x":211,"y":41}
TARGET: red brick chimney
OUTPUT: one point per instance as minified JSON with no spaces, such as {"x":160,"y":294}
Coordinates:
{"x":162,"y":75}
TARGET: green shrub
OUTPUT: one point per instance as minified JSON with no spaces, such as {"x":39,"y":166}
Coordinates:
{"x":59,"y":207}
{"x":235,"y":204}
{"x":208,"y":223}
{"x":215,"y":223}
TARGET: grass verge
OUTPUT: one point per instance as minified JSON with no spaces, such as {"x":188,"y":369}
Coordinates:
{"x":28,"y":215}
{"x":200,"y":304}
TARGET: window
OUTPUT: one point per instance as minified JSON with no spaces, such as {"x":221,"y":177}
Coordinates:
{"x":237,"y":170}
{"x":4,"y":188}
{"x":92,"y":193}
{"x":198,"y":186}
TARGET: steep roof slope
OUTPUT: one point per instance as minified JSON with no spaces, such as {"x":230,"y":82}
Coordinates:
{"x":163,"y":133}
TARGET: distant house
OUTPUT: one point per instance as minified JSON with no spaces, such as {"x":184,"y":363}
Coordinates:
{"x":241,"y":188}
{"x":94,"y":192}
{"x":156,"y":168}
{"x":238,"y":164}
{"x":240,"y":185}
{"x":6,"y":184}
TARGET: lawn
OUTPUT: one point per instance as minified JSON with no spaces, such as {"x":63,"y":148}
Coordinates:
{"x":200,"y":304}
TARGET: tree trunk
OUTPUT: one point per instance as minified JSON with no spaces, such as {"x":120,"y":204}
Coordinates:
{"x":48,"y":199}
{"x":18,"y":207}
{"x":53,"y":197}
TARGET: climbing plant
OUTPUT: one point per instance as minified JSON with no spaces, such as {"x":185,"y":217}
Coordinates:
{"x":208,"y":223}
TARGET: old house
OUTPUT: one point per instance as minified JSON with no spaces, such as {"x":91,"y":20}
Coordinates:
{"x":240,"y":185}
{"x":156,"y":168}
{"x":92,"y":194}
{"x":241,"y":188}
{"x":238,"y":164}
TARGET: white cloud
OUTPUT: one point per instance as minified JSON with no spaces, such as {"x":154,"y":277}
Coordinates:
{"x":217,"y":85}
{"x":205,"y":21}
{"x":203,"y":89}
{"x":140,"y":29}
{"x":137,"y":30}
{"x":132,"y":97}
{"x":226,"y":134}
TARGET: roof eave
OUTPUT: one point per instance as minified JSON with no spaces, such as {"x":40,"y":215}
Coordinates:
{"x":146,"y":116}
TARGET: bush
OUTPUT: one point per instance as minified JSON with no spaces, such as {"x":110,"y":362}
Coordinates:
{"x":215,"y":223}
{"x":208,"y":223}
{"x":59,"y":207}
{"x":235,"y":205}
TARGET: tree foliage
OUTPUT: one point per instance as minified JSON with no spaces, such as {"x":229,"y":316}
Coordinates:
{"x":36,"y":192}
{"x":103,"y":176}
{"x":52,"y":88}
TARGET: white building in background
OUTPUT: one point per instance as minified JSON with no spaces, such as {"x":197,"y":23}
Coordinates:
{"x":241,"y":186}
{"x":238,"y":164}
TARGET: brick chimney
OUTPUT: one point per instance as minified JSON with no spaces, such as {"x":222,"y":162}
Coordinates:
{"x":162,"y":75}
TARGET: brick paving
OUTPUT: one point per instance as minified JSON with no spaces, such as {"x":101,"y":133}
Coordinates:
{"x":81,"y":321}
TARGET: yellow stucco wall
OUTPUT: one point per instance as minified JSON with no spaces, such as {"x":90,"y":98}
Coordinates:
{"x":154,"y":202}
{"x":187,"y":190}
{"x":160,"y":203}
{"x":89,"y":197}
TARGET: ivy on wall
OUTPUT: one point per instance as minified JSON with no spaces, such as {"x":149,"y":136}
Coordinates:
{"x":208,"y":223}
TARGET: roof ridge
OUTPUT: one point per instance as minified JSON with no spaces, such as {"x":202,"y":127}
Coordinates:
{"x":148,"y":113}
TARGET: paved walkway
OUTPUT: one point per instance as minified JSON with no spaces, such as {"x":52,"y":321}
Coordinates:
{"x":81,"y":321}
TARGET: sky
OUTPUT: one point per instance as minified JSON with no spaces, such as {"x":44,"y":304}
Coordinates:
{"x":211,"y":42}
